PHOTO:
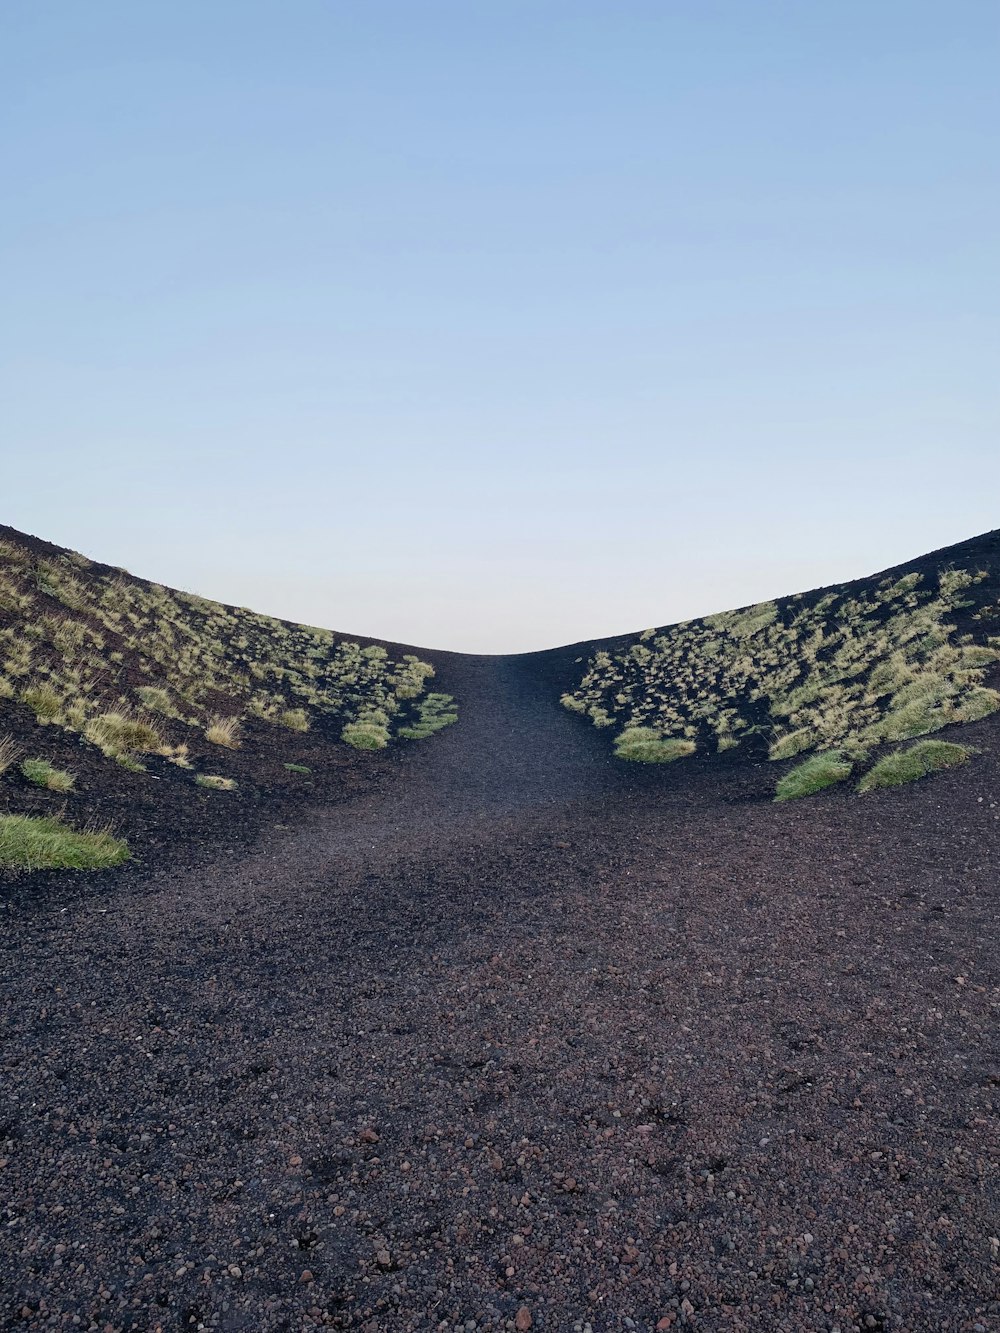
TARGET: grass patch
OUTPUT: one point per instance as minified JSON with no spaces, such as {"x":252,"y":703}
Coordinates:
{"x":913,"y":763}
{"x":157,"y":700}
{"x":44,"y":701}
{"x":815,"y":773}
{"x":298,"y":768}
{"x":215,"y":783}
{"x":646,"y":746}
{"x":295,"y":719}
{"x":119,"y":735}
{"x":435,"y":712}
{"x":28,"y":843}
{"x":366,"y":735}
{"x":224,"y":731}
{"x":44,"y":774}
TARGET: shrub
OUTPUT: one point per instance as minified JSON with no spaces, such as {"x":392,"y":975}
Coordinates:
{"x":117,"y":734}
{"x":29,"y":843}
{"x":44,"y":774}
{"x":298,"y":768}
{"x":815,"y":773}
{"x":917,"y":761}
{"x":295,"y":719}
{"x":215,"y":783}
{"x":9,"y":750}
{"x":646,"y":746}
{"x":224,"y":731}
{"x":366,"y":735}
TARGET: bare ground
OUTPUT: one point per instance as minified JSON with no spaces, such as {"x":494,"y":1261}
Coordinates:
{"x":524,"y":1035}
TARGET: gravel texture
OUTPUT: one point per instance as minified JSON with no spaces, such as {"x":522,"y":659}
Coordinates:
{"x":523,"y":1039}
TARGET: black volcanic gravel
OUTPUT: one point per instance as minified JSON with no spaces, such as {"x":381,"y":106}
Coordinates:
{"x":526,"y":1039}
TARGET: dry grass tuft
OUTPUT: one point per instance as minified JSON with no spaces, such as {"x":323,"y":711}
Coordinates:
{"x":119,"y":735}
{"x":9,"y":751}
{"x":224,"y":731}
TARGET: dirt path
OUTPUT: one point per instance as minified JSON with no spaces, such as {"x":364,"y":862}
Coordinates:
{"x":531,"y":1035}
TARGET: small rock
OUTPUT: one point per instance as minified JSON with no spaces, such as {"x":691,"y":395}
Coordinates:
{"x":307,"y":1276}
{"x":368,"y":1135}
{"x":523,"y":1319}
{"x":384,"y":1259}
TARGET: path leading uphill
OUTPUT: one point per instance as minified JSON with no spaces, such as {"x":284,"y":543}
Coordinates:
{"x":531,"y":1040}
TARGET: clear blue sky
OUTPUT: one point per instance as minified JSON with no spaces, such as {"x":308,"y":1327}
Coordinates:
{"x":494,"y":324}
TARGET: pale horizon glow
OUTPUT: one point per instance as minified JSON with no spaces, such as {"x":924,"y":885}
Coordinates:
{"x":498,"y":327}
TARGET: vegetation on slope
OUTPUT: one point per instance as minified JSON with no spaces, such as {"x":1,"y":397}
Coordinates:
{"x":97,"y":652}
{"x":128,"y":675}
{"x":839,"y":673}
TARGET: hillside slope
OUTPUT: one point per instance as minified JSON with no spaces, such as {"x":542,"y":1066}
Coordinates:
{"x":175,"y":717}
{"x":845,"y":674}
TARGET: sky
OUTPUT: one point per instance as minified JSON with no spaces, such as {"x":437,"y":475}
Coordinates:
{"x":497,"y":324}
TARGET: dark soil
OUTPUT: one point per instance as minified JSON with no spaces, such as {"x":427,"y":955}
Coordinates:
{"x":518,"y":1036}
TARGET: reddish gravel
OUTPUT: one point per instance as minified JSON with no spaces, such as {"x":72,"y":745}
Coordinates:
{"x":527,"y":1040}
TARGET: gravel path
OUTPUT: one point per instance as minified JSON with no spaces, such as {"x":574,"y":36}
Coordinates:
{"x":529,"y":1040}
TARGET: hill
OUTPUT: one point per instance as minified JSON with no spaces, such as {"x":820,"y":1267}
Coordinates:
{"x":175,"y":718}
{"x":515,"y":1033}
{"x":846,"y":674}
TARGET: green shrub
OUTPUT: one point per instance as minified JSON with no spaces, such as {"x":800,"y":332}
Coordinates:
{"x":29,"y":843}
{"x":298,"y":768}
{"x":215,"y":783}
{"x":646,"y":746}
{"x":44,"y":774}
{"x":815,"y":773}
{"x":917,"y":761}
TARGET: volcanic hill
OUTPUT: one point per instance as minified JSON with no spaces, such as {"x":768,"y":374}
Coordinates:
{"x":537,"y":1010}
